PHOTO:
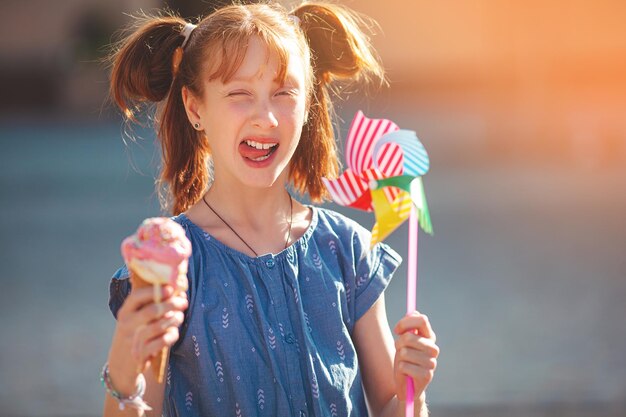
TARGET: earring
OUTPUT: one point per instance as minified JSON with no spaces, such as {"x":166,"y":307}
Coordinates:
{"x":196,"y":126}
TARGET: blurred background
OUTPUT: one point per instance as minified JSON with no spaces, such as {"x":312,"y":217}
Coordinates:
{"x":521,"y":105}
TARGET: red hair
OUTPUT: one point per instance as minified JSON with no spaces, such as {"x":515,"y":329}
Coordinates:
{"x":329,"y":36}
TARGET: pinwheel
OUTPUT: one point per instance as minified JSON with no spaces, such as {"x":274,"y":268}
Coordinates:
{"x":384,"y":169}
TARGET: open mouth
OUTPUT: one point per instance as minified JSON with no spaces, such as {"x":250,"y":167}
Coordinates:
{"x":257,"y":151}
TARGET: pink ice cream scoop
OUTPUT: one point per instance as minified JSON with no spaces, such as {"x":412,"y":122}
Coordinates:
{"x":158,"y":252}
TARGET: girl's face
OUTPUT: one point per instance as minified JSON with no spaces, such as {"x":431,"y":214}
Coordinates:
{"x":253,"y":122}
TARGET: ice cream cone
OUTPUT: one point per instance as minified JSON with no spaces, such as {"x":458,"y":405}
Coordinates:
{"x":157,"y":255}
{"x":158,"y":362}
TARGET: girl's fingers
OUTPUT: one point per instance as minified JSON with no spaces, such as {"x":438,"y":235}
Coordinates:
{"x":415,"y":344}
{"x":143,"y":324}
{"x":158,"y":327}
{"x":139,"y":297}
{"x":155,"y":311}
{"x":415,"y":322}
{"x":154,"y":346}
{"x":152,"y":320}
{"x":143,"y":343}
{"x":417,"y":358}
{"x":420,"y":375}
{"x":416,"y":353}
{"x":135,"y":350}
{"x":151,"y":312}
{"x":423,"y":355}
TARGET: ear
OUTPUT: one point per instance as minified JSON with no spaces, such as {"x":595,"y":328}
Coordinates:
{"x":192,"y":105}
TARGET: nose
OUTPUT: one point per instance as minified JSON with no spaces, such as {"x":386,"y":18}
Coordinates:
{"x":264,"y":117}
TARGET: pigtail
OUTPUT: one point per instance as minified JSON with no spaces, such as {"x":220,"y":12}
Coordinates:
{"x":185,"y":152}
{"x":340,"y":50}
{"x":141,"y":71}
{"x":339,"y":45}
{"x":142,"y":74}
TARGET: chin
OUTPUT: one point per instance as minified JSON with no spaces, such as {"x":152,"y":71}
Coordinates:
{"x":263,"y":181}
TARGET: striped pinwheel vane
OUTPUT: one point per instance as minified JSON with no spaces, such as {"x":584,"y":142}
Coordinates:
{"x":385,"y":166}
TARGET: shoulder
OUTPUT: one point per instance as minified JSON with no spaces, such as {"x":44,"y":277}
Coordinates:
{"x":334,"y":222}
{"x":180,"y":219}
{"x":353,"y":239}
{"x":191,"y":229}
{"x":331,"y":221}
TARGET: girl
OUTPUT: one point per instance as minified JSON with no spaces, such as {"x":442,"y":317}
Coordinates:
{"x":285,"y":313}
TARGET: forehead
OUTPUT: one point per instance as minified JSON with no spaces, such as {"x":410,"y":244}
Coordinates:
{"x":246,"y":56}
{"x":261,"y":60}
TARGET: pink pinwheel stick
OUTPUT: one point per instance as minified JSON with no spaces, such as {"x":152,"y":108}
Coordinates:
{"x":411,"y":292}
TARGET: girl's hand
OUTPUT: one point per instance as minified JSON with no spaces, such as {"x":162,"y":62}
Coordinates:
{"x":416,"y":354}
{"x":143,"y":329}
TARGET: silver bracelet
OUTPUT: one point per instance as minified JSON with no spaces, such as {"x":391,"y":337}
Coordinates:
{"x":135,"y":400}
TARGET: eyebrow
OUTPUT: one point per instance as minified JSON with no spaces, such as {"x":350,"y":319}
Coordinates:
{"x":286,"y":80}
{"x":235,"y":79}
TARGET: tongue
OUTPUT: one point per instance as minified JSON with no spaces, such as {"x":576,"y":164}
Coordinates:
{"x":251,"y":153}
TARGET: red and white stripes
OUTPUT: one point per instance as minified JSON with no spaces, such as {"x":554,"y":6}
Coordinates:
{"x":351,"y":188}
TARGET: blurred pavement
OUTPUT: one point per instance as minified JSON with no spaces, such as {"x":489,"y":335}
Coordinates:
{"x":524,"y":280}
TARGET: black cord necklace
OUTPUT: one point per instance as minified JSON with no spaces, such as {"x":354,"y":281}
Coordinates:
{"x":237,"y":234}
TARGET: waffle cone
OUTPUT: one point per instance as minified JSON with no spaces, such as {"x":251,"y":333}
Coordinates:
{"x":158,"y":362}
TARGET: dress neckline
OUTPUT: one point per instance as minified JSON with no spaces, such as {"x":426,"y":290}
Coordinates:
{"x":303,"y":240}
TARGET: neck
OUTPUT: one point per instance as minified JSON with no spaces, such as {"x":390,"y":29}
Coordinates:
{"x":260,"y":217}
{"x":253,"y":209}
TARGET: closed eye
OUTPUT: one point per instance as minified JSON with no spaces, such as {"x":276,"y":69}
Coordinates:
{"x":238,"y":93}
{"x":288,"y":92}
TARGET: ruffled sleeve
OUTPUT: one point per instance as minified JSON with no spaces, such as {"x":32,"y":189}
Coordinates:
{"x":374,"y":271}
{"x":119,"y":288}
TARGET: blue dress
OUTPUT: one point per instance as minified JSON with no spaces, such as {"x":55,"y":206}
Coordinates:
{"x":272,"y":335}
